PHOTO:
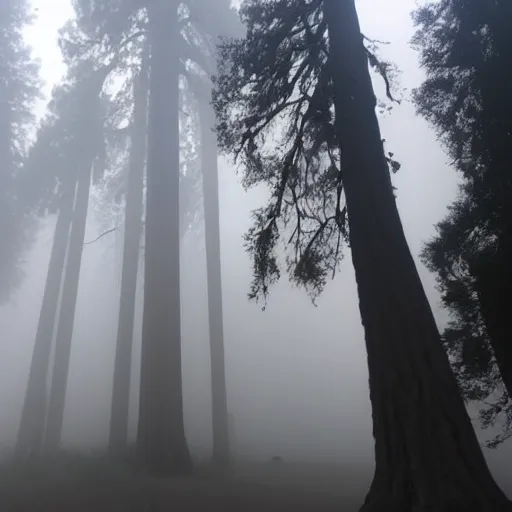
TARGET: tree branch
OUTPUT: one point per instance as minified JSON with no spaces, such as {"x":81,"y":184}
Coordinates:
{"x":101,"y":236}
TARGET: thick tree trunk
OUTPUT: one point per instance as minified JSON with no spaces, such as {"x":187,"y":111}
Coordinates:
{"x":494,"y":276}
{"x":67,"y":313}
{"x":501,"y":342}
{"x":209,"y":166}
{"x":33,"y":416}
{"x":130,"y":266}
{"x":426,"y":452}
{"x":493,"y":285}
{"x":161,"y":438}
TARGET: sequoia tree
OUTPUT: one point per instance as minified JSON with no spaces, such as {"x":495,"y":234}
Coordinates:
{"x":125,"y":26}
{"x":130,"y":266}
{"x":161,"y":441}
{"x":19,"y":89}
{"x":65,"y":136}
{"x":217,"y":18}
{"x":466,"y":51}
{"x":305,"y":64}
{"x":209,"y":166}
{"x":87,"y":147}
{"x":33,"y":416}
{"x":132,"y":256}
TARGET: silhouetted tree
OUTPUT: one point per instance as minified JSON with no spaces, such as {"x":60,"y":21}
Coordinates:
{"x":19,"y":89}
{"x":120,"y":31}
{"x":303,"y":70}
{"x":225,"y":22}
{"x":466,"y":50}
{"x":70,"y":140}
{"x":116,"y":23}
{"x":209,"y":165}
{"x":161,"y":439}
{"x":33,"y":416}
{"x":130,"y":265}
{"x":90,"y":148}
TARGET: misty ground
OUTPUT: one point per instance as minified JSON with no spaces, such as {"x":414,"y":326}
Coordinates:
{"x":85,"y":485}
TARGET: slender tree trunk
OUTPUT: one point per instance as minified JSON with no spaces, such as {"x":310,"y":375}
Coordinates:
{"x":426,"y":452}
{"x":161,"y":437}
{"x":33,"y":416}
{"x":209,"y":166}
{"x":130,"y":266}
{"x":67,"y":313}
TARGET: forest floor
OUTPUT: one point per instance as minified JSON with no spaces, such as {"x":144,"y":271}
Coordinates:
{"x":254,"y":487}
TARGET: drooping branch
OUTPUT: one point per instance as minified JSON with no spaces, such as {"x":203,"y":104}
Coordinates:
{"x":274,"y":90}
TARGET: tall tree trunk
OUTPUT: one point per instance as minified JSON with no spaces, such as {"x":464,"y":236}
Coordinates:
{"x":130,"y":266}
{"x":67,"y":312}
{"x":209,"y":166}
{"x":493,"y":285}
{"x":33,"y":416}
{"x":161,"y":437}
{"x":426,"y":452}
{"x":494,"y":272}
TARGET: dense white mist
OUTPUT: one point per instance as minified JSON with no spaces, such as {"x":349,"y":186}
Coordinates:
{"x":296,"y":374}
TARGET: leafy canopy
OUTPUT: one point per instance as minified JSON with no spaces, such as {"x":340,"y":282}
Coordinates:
{"x":466,"y":50}
{"x":274,"y":101}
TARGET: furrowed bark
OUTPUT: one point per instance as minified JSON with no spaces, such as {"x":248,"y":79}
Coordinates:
{"x":426,"y":452}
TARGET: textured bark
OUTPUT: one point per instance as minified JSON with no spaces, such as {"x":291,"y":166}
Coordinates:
{"x":426,"y":452}
{"x":130,"y":265}
{"x":33,"y":416}
{"x":209,"y":166}
{"x":162,"y":445}
{"x":67,"y":313}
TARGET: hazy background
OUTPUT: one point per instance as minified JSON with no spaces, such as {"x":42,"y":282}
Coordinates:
{"x":296,"y":374}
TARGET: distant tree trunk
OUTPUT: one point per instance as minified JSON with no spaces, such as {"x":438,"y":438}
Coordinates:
{"x":209,"y":166}
{"x":130,"y":266}
{"x":67,"y":312}
{"x":33,"y":416}
{"x":161,"y":438}
{"x":426,"y":452}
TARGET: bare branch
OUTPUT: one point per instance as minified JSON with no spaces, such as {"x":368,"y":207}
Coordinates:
{"x":101,"y":236}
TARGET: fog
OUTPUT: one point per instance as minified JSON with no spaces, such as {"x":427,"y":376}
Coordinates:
{"x":297,"y":379}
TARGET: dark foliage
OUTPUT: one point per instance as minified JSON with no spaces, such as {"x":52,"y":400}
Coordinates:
{"x":274,"y":90}
{"x":466,"y":50}
{"x":276,"y":96}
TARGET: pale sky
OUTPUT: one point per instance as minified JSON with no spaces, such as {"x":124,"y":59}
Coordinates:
{"x":290,"y":368}
{"x":42,"y":37}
